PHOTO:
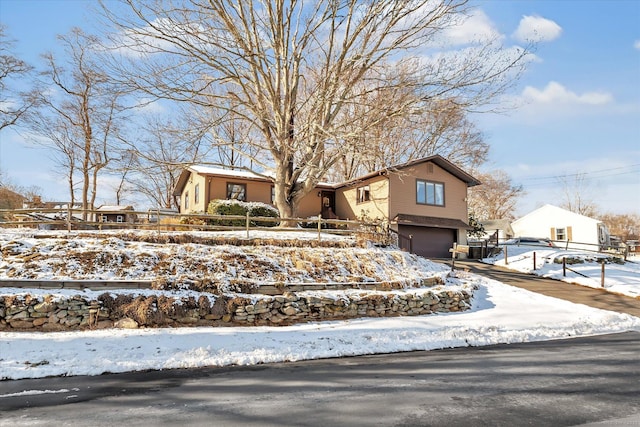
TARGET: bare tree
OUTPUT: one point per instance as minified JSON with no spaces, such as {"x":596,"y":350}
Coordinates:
{"x":156,"y":159}
{"x":624,"y":226}
{"x":439,"y":127}
{"x":496,"y":198}
{"x":575,"y":191}
{"x":292,"y":69}
{"x":13,"y":103}
{"x":78,"y":115}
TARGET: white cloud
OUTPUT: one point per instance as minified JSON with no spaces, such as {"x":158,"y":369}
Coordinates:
{"x":537,"y":29}
{"x":474,"y":28}
{"x":555,"y":93}
{"x":636,"y":44}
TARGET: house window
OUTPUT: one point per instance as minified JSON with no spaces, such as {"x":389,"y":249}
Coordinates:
{"x":364,"y":194}
{"x":429,"y":193}
{"x":119,"y":218}
{"x":196,"y":194}
{"x":561,"y":234}
{"x":237,"y":191}
{"x":104,"y":218}
{"x":186,"y":200}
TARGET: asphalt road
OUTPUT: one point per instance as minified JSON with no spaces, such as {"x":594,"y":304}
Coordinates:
{"x":552,"y":383}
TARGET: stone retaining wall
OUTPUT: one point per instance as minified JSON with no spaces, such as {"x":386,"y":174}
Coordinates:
{"x":130,"y":311}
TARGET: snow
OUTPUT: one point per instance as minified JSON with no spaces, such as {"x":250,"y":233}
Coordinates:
{"x":499,"y":314}
{"x":620,"y":278}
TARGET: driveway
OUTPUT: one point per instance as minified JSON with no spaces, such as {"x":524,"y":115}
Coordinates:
{"x":592,"y":297}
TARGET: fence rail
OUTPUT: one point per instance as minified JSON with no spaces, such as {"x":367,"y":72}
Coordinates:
{"x":155,"y":219}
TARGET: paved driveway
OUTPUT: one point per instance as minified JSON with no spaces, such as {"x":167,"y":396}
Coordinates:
{"x":593,"y":297}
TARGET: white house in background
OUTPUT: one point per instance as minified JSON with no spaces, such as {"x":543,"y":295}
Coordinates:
{"x":499,"y":229}
{"x":561,"y":225}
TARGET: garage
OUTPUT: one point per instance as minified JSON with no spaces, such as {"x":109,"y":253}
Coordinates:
{"x":430,"y":237}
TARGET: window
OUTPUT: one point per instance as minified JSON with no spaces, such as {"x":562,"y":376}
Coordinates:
{"x":561,"y":234}
{"x":237,"y":191}
{"x":119,"y":218}
{"x":429,"y":193}
{"x":364,"y":194}
{"x":273,"y":194}
{"x":104,"y":218}
{"x":196,"y":195}
{"x":186,"y":200}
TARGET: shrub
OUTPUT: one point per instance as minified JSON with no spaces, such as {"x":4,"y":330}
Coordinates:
{"x":236,"y":207}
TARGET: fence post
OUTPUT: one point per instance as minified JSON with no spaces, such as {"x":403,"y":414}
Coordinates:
{"x":247,"y":224}
{"x":534,"y":260}
{"x":564,"y":266}
{"x":69,"y":218}
{"x":506,"y":256}
{"x":158,"y":220}
{"x":319,"y":226}
{"x":410,"y":243}
{"x":602,"y":275}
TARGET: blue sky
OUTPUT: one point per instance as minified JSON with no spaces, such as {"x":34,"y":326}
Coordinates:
{"x":579,"y":101}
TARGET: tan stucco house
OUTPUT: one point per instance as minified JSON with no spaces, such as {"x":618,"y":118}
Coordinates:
{"x":424,"y":201}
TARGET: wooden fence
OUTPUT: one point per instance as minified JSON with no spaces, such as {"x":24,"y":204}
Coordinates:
{"x":77,"y":219}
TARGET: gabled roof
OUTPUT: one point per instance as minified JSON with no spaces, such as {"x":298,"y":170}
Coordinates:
{"x":551,"y":210}
{"x":268,"y":176}
{"x":437,"y":159}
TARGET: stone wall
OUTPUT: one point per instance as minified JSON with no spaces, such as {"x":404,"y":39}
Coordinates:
{"x":131,"y":311}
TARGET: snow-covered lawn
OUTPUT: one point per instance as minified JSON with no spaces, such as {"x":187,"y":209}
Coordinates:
{"x":499,"y":314}
{"x":583,"y":268}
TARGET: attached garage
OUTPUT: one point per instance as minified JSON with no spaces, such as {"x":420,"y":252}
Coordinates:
{"x":430,"y":237}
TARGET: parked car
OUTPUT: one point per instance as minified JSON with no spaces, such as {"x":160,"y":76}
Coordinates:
{"x":530,"y":241}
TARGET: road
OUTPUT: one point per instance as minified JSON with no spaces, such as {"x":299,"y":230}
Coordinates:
{"x":552,"y":383}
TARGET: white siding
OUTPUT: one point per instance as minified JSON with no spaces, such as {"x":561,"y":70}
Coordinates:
{"x":540,"y":222}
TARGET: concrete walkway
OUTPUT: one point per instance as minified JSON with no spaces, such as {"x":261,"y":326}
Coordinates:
{"x":592,"y":297}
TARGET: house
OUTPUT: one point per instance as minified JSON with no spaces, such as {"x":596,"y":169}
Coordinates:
{"x":117,"y":214}
{"x":424,"y":201}
{"x":497,"y":230}
{"x":9,"y":199}
{"x":575,"y":230}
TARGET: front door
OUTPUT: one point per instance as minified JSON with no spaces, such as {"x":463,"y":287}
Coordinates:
{"x":328,"y":201}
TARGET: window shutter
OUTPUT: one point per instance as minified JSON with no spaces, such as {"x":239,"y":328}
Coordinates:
{"x":553,"y":233}
{"x":569,"y":234}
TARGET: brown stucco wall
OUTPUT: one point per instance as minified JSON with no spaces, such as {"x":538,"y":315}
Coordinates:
{"x":402,"y":193}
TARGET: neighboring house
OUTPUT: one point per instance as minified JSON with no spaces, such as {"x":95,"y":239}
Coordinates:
{"x":551,"y":222}
{"x":424,"y":201}
{"x":9,"y":199}
{"x":497,"y":230}
{"x":117,"y":214}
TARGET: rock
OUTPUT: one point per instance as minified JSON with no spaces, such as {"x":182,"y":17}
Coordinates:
{"x":40,"y":321}
{"x":53,"y":327}
{"x":126,"y":323}
{"x":21,"y":324}
{"x":44,"y":307}
{"x":188,"y":320}
{"x":289,"y":310}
